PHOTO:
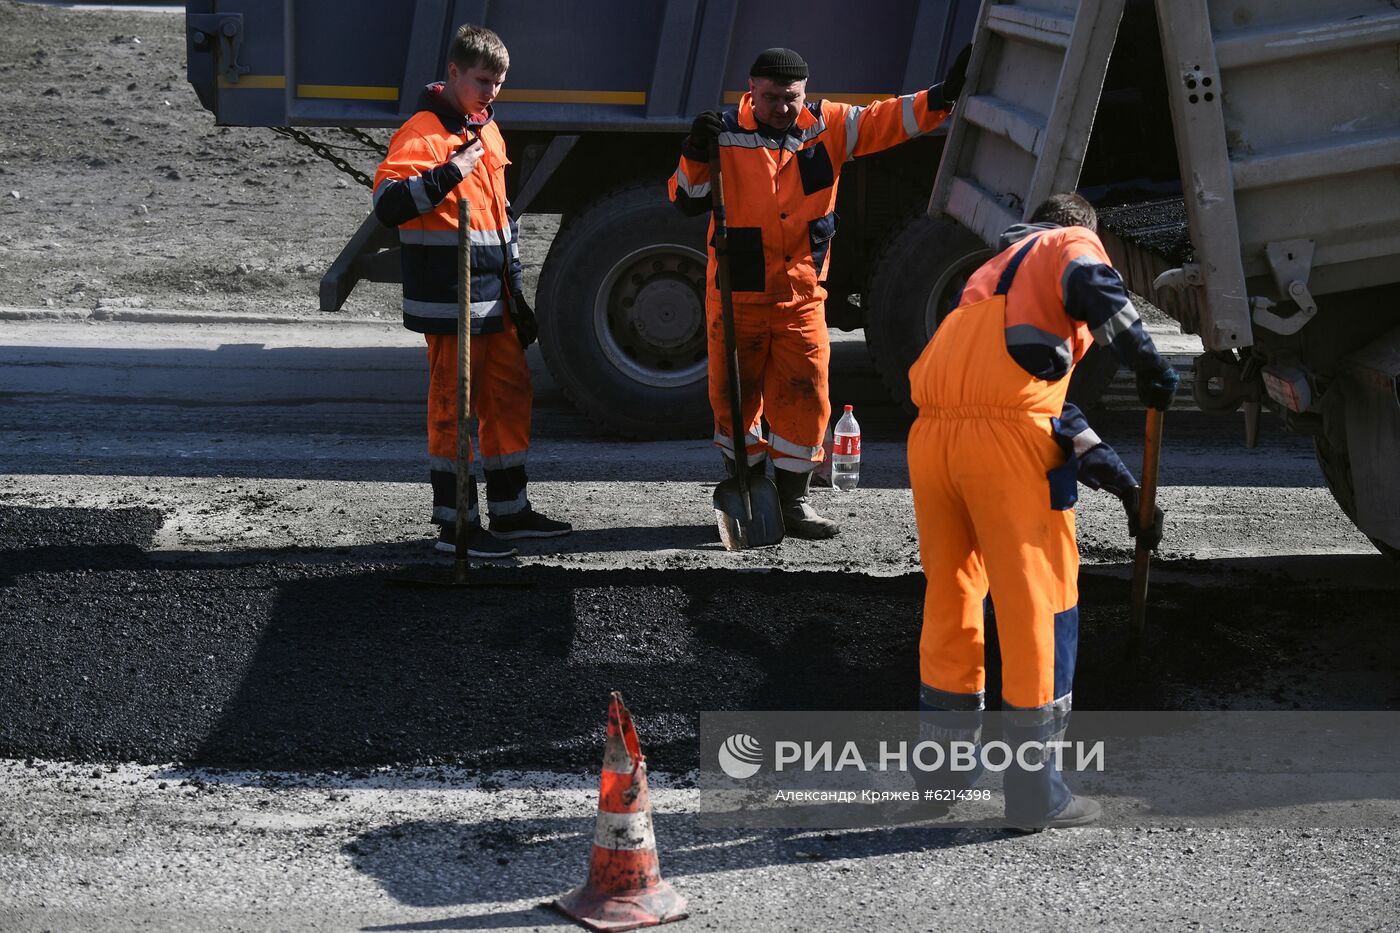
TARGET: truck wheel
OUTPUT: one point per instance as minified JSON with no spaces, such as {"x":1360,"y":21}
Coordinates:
{"x":1336,"y":471}
{"x":918,"y":278}
{"x":622,"y":315}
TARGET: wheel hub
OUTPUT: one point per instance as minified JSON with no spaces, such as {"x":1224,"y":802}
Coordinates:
{"x":668,"y":313}
{"x":650,"y":315}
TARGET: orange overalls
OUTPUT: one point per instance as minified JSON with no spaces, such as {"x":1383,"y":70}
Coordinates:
{"x":417,"y":190}
{"x":982,"y":459}
{"x":780,"y":193}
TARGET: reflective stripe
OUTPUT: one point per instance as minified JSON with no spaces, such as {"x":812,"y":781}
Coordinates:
{"x":933,"y":698}
{"x":852,"y":131}
{"x":1028,"y":335}
{"x":489,"y":237}
{"x":442,"y":309}
{"x":1085,"y":441}
{"x":755,"y":457}
{"x":784,"y":446}
{"x":1124,"y":318}
{"x":442,"y":464}
{"x":1074,"y":265}
{"x":624,"y":831}
{"x":421,"y":237}
{"x":793,"y":464}
{"x":505,"y":462}
{"x":383,"y":187}
{"x":416,"y":237}
{"x":521,"y":503}
{"x":751,"y":437}
{"x":514,"y":250}
{"x":701,"y":190}
{"x":759,"y":141}
{"x":446,"y":515}
{"x":815,"y":130}
{"x":1027,"y":716}
{"x":911,"y":124}
{"x":420,"y":194}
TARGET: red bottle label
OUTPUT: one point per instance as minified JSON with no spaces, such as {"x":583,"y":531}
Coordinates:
{"x":848,"y":444}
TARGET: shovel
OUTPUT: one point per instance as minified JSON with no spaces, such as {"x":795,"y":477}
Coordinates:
{"x":746,"y":507}
{"x":1147,"y":506}
{"x":461,"y":576}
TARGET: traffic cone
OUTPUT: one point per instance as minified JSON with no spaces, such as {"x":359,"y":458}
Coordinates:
{"x":624,"y":890}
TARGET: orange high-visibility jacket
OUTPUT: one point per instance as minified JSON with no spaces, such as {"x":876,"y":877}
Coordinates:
{"x":780,"y":188}
{"x":416,"y":189}
{"x":1066,"y":296}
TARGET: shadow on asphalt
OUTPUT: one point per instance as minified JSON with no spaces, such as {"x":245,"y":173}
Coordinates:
{"x":443,"y":865}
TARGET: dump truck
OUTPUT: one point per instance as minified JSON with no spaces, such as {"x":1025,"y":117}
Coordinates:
{"x":1283,"y":249}
{"x":1062,"y":95}
{"x":597,"y":101}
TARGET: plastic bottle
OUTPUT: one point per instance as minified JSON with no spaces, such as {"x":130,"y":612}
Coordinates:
{"x":845,"y":452}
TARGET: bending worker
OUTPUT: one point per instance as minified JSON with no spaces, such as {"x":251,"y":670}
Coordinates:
{"x":782,"y":156}
{"x":449,"y":149}
{"x":993,"y":459}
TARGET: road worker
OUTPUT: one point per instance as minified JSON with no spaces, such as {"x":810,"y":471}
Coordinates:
{"x":449,"y":149}
{"x":993,"y":459}
{"x":782,"y":156}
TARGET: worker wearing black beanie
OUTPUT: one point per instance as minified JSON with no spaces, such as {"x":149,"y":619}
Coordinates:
{"x":781,"y":156}
{"x":783,"y":65}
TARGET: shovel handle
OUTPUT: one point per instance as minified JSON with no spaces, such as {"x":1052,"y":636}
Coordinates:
{"x":464,"y":385}
{"x":737,"y":433}
{"x":1147,"y":507}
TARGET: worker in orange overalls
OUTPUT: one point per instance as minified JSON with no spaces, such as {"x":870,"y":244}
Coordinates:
{"x":782,"y":156}
{"x":449,"y":149}
{"x":993,"y":459}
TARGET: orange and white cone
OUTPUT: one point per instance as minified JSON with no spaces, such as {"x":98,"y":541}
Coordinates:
{"x":624,"y":890}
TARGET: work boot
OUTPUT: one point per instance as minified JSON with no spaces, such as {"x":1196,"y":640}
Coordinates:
{"x":1080,"y":811}
{"x":527,"y":524}
{"x":800,"y":520}
{"x":480,"y":542}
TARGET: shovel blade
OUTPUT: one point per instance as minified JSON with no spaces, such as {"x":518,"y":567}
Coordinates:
{"x":764,"y":525}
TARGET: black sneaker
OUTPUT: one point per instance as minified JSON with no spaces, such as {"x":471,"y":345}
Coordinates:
{"x":528,"y":524}
{"x":480,"y":542}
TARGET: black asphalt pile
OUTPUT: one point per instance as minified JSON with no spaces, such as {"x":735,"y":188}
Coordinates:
{"x":1154,"y":226}
{"x":108,"y":655}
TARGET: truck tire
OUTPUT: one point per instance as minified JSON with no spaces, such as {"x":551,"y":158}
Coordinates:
{"x":621,"y":303}
{"x":1336,"y":471}
{"x":918,"y":277}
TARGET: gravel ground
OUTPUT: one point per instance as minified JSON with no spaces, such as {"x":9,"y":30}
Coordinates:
{"x":121,"y":848}
{"x":150,"y":205}
{"x":216,"y":714}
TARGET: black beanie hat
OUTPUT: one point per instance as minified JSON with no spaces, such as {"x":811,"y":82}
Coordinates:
{"x":779,"y":65}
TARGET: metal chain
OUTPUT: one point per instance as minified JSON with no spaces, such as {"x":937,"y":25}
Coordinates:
{"x":374,"y":144}
{"x":326,"y":152}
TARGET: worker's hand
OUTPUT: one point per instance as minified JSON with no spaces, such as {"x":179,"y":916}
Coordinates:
{"x":1157,"y":387}
{"x":705,"y":129}
{"x":466,"y":158}
{"x":1148,"y":537}
{"x":527,"y":329}
{"x":953,"y":82}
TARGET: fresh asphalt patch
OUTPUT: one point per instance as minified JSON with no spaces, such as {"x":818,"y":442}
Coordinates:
{"x":109,"y":655}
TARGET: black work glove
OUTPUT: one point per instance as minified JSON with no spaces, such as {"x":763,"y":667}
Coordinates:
{"x":952,"y":86}
{"x":1157,"y":387}
{"x":527,"y":329}
{"x":1148,"y":537}
{"x":705,"y":129}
